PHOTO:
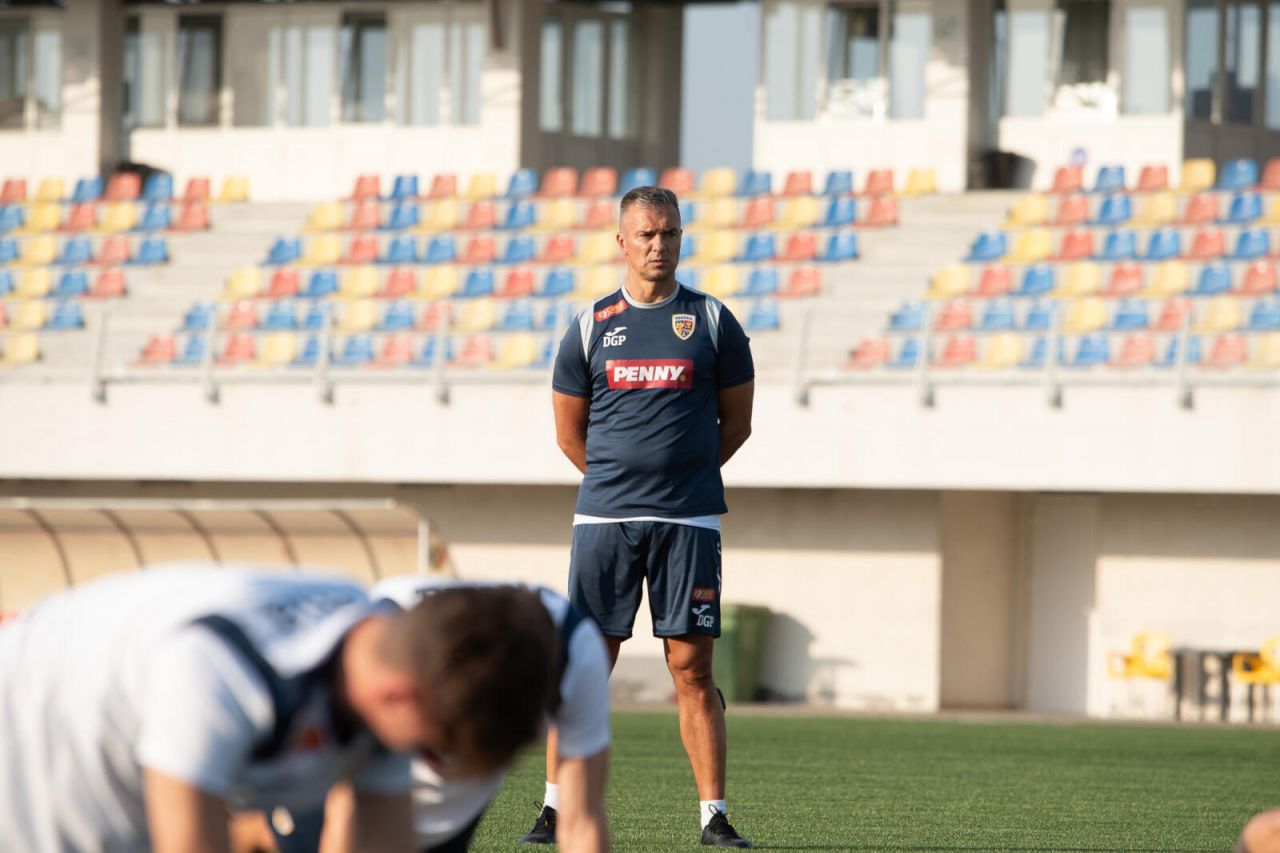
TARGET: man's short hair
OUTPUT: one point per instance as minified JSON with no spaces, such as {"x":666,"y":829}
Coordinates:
{"x":649,"y":197}
{"x":487,"y":659}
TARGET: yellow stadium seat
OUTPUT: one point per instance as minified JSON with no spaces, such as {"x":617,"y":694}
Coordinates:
{"x":234,"y":189}
{"x":921,"y":181}
{"x":1197,"y":175}
{"x":117,"y":217}
{"x":1170,"y":278}
{"x":278,"y":350}
{"x":1221,"y":314}
{"x":721,"y":181}
{"x":1031,"y":247}
{"x":715,"y":214}
{"x":516,"y":351}
{"x":42,"y":218}
{"x":441,"y":215}
{"x":440,"y":283}
{"x":1080,"y":279}
{"x":322,"y":251}
{"x":1028,"y":210}
{"x":325,"y":216}
{"x":557,"y":214}
{"x":483,"y":185}
{"x":1086,"y":315}
{"x":21,"y":349}
{"x":597,"y":248}
{"x":1148,"y":657}
{"x":1000,"y":352}
{"x":1266,"y":352}
{"x":949,"y":282}
{"x":797,"y":213}
{"x":38,"y":251}
{"x":1159,"y":208}
{"x":721,"y":281}
{"x":1260,"y":668}
{"x":359,"y":283}
{"x":244,"y":283}
{"x":359,"y":316}
{"x":50,"y":190}
{"x":717,"y":247}
{"x":598,"y":281}
{"x":29,"y":316}
{"x":475,"y":315}
{"x":35,"y":283}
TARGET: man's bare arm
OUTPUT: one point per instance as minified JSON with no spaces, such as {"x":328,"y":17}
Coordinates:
{"x":182,"y":818}
{"x":581,"y":824}
{"x":735,"y":417}
{"x":571,"y":426}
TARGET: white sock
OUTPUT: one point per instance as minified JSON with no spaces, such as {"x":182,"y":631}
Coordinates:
{"x":708,"y":808}
{"x":552,"y":797}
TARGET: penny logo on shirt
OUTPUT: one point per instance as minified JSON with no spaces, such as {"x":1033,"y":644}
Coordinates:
{"x":682,"y":325}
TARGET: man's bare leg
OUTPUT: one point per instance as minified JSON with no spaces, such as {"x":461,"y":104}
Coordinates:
{"x":702,"y":726}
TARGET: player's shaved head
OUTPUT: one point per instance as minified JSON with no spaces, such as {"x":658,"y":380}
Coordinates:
{"x":485,"y":659}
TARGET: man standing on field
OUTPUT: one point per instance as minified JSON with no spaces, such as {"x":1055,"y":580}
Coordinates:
{"x":652,"y":393}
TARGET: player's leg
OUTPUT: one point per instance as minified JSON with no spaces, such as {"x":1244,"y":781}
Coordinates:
{"x":1261,"y":834}
{"x":702,"y":727}
{"x":614,"y":645}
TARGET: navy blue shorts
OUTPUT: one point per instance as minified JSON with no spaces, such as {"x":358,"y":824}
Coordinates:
{"x":681,"y":563}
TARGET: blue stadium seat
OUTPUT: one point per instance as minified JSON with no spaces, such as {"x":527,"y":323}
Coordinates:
{"x":1130,"y":315}
{"x":425,"y":357}
{"x":1170,"y":356}
{"x":841,"y":246}
{"x":75,"y":251}
{"x":1245,"y":207}
{"x":11,"y":217}
{"x":193,"y":352}
{"x":1264,"y":316}
{"x":87,"y":190}
{"x":1214,"y":280}
{"x":557,"y":282}
{"x":1164,"y":244}
{"x":403,"y":216}
{"x":556,"y":316}
{"x":546,"y":355}
{"x":1114,"y":210}
{"x":638,"y":177}
{"x":155,"y":218}
{"x":839,"y":182}
{"x":314,"y":319}
{"x":1120,"y":245}
{"x":908,"y":318}
{"x":762,"y":282}
{"x":1039,"y":317}
{"x":523,"y":183}
{"x":402,"y":249}
{"x":1238,"y":175}
{"x":1110,"y":180}
{"x":357,"y":350}
{"x":72,"y":283}
{"x":688,"y":212}
{"x":1037,"y":280}
{"x":518,"y":317}
{"x":151,"y":251}
{"x":755,"y":182}
{"x":198,"y":317}
{"x":841,"y":211}
{"x":158,"y":187}
{"x":520,"y":214}
{"x":6,"y":282}
{"x":1251,"y":244}
{"x":759,"y":247}
{"x":519,"y":250}
{"x":9,"y":250}
{"x":688,"y":247}
{"x":997,"y":316}
{"x":764,"y":316}
{"x":1091,"y":351}
{"x":988,"y":246}
{"x":397,"y":317}
{"x":282,"y":316}
{"x":285,"y":250}
{"x":907,"y":355}
{"x":443,"y":249}
{"x":66,"y":315}
{"x":310,"y":352}
{"x":1039,"y":351}
{"x":479,"y":282}
{"x":405,"y":188}
{"x":689,"y":277}
{"x":323,"y":282}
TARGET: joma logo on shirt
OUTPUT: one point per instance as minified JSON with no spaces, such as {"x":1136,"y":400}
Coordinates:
{"x":649,"y":373}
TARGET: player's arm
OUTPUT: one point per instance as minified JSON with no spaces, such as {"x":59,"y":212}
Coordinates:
{"x":182,"y":818}
{"x":356,"y":822}
{"x":581,"y":824}
{"x":735,"y":417}
{"x":571,"y":426}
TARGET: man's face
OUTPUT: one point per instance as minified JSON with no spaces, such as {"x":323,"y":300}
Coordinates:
{"x":650,"y":239}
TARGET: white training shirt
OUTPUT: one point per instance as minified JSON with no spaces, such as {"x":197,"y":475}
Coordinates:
{"x":113,"y":676}
{"x":444,"y":807}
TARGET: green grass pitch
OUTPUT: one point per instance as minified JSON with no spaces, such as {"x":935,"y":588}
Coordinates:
{"x":822,"y":783}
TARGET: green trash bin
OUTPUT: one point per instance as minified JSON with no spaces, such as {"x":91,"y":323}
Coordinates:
{"x":736,"y":665}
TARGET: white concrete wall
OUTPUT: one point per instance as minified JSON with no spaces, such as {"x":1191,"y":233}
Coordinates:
{"x":1129,"y":141}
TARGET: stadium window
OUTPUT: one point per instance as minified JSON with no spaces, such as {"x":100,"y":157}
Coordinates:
{"x":1029,"y":54}
{"x":997,"y":79}
{"x":145,"y":81}
{"x":255,"y":73}
{"x":908,"y":60}
{"x":855,"y":81}
{"x":1146,"y":60}
{"x":309,"y":74}
{"x":467,"y":36}
{"x":586,"y":97}
{"x":550,"y":102}
{"x":1242,"y":61}
{"x":13,"y":72}
{"x":363,"y":52}
{"x":425,"y":78}
{"x":1201,"y":57}
{"x":792,"y":35}
{"x":47,"y":82}
{"x":1081,"y":36}
{"x":1273,"y":66}
{"x":199,"y":69}
{"x":623,"y":80}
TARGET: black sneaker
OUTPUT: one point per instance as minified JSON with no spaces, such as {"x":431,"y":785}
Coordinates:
{"x":720,"y":833}
{"x":544,"y":828}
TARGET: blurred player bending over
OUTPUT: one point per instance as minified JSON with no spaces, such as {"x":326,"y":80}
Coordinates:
{"x":1261,"y":834}
{"x":137,"y":710}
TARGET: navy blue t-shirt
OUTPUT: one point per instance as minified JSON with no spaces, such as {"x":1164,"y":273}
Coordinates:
{"x":653,"y":374}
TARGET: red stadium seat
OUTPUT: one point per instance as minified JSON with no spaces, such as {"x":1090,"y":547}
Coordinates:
{"x":803,"y":281}
{"x":198,"y":189}
{"x":679,"y":180}
{"x":363,"y":250}
{"x":83,"y":217}
{"x":1171,"y":316}
{"x":1202,"y":209}
{"x":560,"y":181}
{"x":801,"y":246}
{"x":160,"y":349}
{"x":284,"y":284}
{"x":869,"y":353}
{"x":954,"y":316}
{"x":4,"y":316}
{"x":109,"y":284}
{"x":995,"y":281}
{"x":477,"y":351}
{"x":1153,"y":179}
{"x":1072,"y":210}
{"x":602,"y":180}
{"x":243,"y":315}
{"x":367,"y":187}
{"x":798,"y":183}
{"x":518,"y":283}
{"x":14,"y":191}
{"x":600,"y":215}
{"x":397,"y":350}
{"x":1076,"y":246}
{"x":481,"y":250}
{"x":879,"y":182}
{"x":238,"y":350}
{"x":123,"y":186}
{"x":1207,"y":245}
{"x":883,"y":213}
{"x":1228,"y":351}
{"x":1259,"y":279}
{"x":114,"y":250}
{"x":1271,"y":175}
{"x":443,"y":185}
{"x":1125,"y":281}
{"x":194,"y":217}
{"x":557,"y":250}
{"x":401,"y":281}
{"x":959,"y":351}
{"x":366,"y":216}
{"x":1068,"y":179}
{"x":759,"y":213}
{"x":481,"y":216}
{"x":1138,"y":350}
{"x":433,"y":315}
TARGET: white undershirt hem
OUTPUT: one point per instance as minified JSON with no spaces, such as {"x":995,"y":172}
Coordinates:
{"x":709,"y":522}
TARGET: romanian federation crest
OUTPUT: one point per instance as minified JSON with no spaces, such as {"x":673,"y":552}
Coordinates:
{"x":682,"y":325}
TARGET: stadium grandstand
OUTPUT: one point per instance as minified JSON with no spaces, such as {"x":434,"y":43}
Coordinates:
{"x":283,"y":282}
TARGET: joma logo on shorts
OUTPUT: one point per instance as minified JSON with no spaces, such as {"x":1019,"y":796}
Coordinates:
{"x":650,"y":373}
{"x":705,"y":619}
